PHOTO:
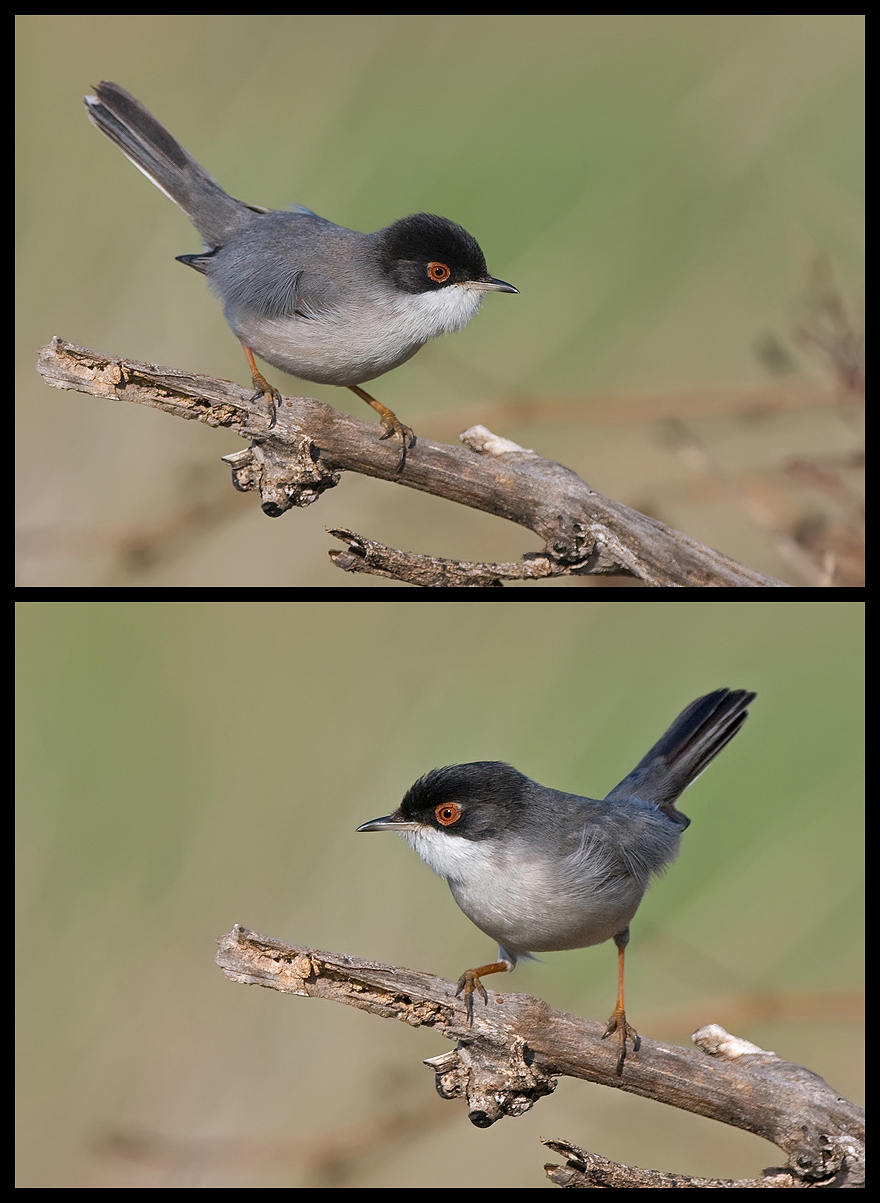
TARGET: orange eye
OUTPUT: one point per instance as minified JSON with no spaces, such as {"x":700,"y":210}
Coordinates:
{"x":438,"y":272}
{"x":447,"y":813}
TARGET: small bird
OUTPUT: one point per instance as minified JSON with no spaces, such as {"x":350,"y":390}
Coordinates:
{"x":317,"y":300}
{"x":540,"y":870}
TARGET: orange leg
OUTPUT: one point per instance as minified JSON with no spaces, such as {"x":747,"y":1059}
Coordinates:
{"x":263,"y":387}
{"x":390,"y":422}
{"x":470,"y":981}
{"x":617,"y":1023}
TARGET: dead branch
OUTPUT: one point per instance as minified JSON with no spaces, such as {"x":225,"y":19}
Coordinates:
{"x":312,"y":444}
{"x":519,"y":1046}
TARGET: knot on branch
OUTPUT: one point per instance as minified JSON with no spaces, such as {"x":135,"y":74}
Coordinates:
{"x":496,"y":1080}
{"x":287,"y":475}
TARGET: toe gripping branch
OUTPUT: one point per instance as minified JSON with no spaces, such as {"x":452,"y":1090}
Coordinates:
{"x":470,"y":981}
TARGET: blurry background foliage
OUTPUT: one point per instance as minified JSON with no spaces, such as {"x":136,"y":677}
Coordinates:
{"x":660,"y":189}
{"x":184,"y":767}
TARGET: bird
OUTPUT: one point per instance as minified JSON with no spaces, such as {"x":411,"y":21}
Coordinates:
{"x":538,"y":869}
{"x":317,"y":300}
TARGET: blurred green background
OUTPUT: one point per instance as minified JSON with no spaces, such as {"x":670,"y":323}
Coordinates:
{"x":184,"y":767}
{"x":656,"y":187}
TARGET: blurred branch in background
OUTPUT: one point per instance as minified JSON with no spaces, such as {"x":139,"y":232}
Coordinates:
{"x":518,"y":1046}
{"x":831,"y":330}
{"x":584,"y":532}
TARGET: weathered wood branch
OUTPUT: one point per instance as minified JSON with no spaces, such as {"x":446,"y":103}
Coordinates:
{"x":312,"y":444}
{"x":519,"y":1046}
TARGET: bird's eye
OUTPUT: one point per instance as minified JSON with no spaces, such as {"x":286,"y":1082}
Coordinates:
{"x":447,"y":813}
{"x":438,"y":272}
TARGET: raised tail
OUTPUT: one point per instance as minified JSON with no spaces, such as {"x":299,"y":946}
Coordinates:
{"x":691,"y":743}
{"x":140,"y":137}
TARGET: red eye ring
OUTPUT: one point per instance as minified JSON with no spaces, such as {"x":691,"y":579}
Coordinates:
{"x":438,"y":272}
{"x":447,"y":813}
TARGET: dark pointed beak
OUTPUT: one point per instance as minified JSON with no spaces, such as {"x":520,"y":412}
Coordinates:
{"x":389,"y":823}
{"x":490,"y":284}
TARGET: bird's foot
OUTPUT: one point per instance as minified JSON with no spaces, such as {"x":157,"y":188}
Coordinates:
{"x":263,"y":389}
{"x":394,"y":428}
{"x":467,"y":984}
{"x":391,"y":424}
{"x":617,"y":1025}
{"x":273,"y":400}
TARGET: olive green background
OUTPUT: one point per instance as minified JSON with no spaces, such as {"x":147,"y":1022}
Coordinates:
{"x":656,"y":187}
{"x":183,"y":767}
